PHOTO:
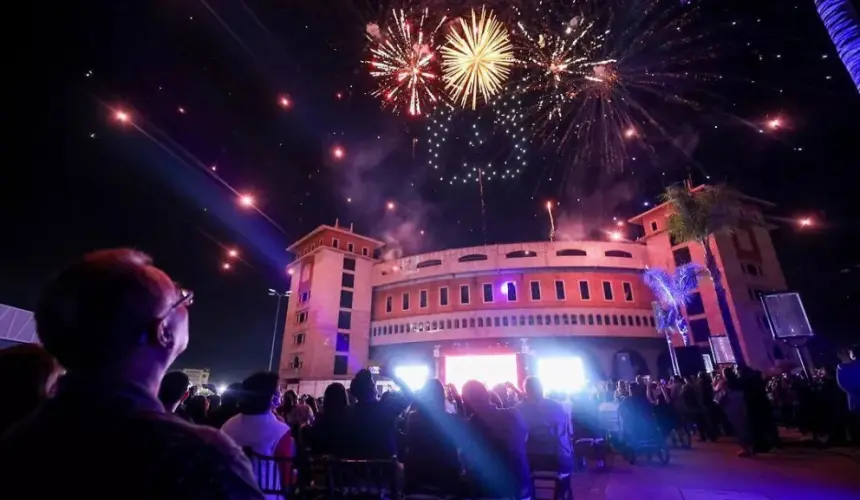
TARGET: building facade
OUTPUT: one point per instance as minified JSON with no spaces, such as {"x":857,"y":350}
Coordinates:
{"x":575,"y":302}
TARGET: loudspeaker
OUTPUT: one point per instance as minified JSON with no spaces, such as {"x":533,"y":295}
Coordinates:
{"x":690,"y":360}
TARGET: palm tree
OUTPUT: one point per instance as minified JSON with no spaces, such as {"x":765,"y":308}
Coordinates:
{"x":695,"y":217}
{"x":842,"y":24}
{"x":672,"y":291}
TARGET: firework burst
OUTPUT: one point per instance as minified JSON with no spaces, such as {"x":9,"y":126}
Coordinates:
{"x":608,"y":88}
{"x":477,"y":58}
{"x":404,"y":64}
{"x":558,"y":66}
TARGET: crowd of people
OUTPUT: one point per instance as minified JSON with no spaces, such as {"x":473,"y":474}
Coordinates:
{"x":95,"y":413}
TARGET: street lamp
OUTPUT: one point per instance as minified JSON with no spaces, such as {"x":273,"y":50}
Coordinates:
{"x":280,"y":296}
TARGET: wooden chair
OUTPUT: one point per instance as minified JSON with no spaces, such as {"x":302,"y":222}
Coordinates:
{"x":275,"y":475}
{"x":334,"y":478}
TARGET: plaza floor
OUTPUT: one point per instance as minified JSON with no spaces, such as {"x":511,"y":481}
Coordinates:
{"x":712,"y":471}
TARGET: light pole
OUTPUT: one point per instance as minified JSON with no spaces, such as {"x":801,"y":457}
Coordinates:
{"x":280,"y":296}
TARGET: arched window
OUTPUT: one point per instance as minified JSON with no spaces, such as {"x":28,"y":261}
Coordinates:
{"x":519,"y":254}
{"x":619,"y":253}
{"x":570,"y":252}
{"x":472,"y":257}
{"x":429,"y":263}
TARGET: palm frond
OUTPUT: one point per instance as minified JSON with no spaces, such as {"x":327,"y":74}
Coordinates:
{"x":660,"y":283}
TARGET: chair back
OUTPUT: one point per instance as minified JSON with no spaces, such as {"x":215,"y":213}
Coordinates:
{"x":348,"y":478}
{"x":275,"y":475}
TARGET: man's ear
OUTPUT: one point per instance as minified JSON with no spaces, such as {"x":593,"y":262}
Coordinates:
{"x":160,"y":334}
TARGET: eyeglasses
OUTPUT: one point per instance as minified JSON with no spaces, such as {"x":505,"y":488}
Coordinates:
{"x":186,"y":298}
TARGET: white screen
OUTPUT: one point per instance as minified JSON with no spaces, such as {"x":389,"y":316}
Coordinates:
{"x":491,"y":369}
{"x":565,"y":374}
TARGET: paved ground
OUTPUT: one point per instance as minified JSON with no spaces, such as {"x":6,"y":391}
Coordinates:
{"x":713,"y":472}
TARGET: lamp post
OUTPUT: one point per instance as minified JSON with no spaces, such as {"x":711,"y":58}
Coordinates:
{"x":273,"y":293}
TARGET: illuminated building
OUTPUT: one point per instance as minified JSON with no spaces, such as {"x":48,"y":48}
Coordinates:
{"x":197,"y":376}
{"x":567,"y":311}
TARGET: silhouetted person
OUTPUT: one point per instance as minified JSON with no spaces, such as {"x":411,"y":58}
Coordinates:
{"x":28,"y":374}
{"x":329,"y":434}
{"x":229,"y":406}
{"x":495,"y":453}
{"x":549,"y":447}
{"x":174,"y":387}
{"x":116,"y":323}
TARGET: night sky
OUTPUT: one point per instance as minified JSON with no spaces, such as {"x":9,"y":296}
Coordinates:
{"x":201,"y":82}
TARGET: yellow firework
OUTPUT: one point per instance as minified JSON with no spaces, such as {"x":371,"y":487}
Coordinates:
{"x":477,"y":58}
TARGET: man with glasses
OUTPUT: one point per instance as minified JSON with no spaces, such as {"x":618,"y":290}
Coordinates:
{"x":117,"y":323}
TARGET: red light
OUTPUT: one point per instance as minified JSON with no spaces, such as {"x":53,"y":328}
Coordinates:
{"x":246,"y":200}
{"x":121,"y":116}
{"x":338,"y":153}
{"x":284,"y":101}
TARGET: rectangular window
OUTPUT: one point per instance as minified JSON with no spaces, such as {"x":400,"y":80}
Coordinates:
{"x":584,"y":292}
{"x":389,"y":303}
{"x":347,"y":280}
{"x":344,"y":320}
{"x":404,"y":304}
{"x":511,"y":291}
{"x":346,"y":299}
{"x":464,"y":294}
{"x":682,"y":256}
{"x":607,"y":290}
{"x":443,"y":296}
{"x":559,"y":290}
{"x":699,"y":330}
{"x":422,"y":299}
{"x":365,"y":251}
{"x":695,"y":305}
{"x":303,"y":298}
{"x":342,"y":342}
{"x":350,"y":247}
{"x":535,"y":289}
{"x":303,"y":317}
{"x":488,"y":292}
{"x":298,"y":339}
{"x":340,"y":364}
{"x":349,"y":263}
{"x":628,"y":291}
{"x":653,"y":225}
{"x":335,"y":243}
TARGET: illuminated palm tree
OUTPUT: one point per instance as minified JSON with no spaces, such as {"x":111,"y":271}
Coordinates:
{"x":695,"y":217}
{"x":672,"y":292}
{"x":842,"y":23}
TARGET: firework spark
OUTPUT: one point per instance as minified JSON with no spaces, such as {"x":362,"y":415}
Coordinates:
{"x":559,"y":66}
{"x":477,"y":58}
{"x":404,"y":65}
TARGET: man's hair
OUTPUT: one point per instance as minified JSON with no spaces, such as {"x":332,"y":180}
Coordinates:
{"x":475,"y":392}
{"x":173,"y":386}
{"x":98,"y":307}
{"x":533,"y":387}
{"x":258,"y":391}
{"x":362,"y":386}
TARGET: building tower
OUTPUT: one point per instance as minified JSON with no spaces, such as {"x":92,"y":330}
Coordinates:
{"x":750,"y":267}
{"x":326,"y":332}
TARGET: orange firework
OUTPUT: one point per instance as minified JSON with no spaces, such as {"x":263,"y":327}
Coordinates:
{"x":404,"y":64}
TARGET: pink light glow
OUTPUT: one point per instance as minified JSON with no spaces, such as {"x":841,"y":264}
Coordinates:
{"x":284,"y":101}
{"x":491,"y":369}
{"x":121,"y":116}
{"x":246,"y":200}
{"x":338,"y":152}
